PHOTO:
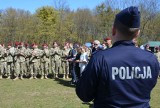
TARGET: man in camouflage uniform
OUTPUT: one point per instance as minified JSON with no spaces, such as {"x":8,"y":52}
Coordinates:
{"x":20,"y":61}
{"x":55,"y":54}
{"x":65,"y":63}
{"x":2,"y":60}
{"x":34,"y":60}
{"x":108,"y":42}
{"x":28,"y":56}
{"x":10,"y":66}
{"x":15,"y":61}
{"x":5,"y":56}
{"x":44,"y":61}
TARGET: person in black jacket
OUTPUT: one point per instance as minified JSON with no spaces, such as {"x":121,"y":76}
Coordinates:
{"x":77,"y":68}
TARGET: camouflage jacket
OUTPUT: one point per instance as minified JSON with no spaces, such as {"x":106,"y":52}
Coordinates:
{"x":20,"y":54}
{"x":3,"y":54}
{"x":35,"y":55}
{"x":10,"y":54}
{"x":55,"y":53}
{"x":65,"y":53}
{"x":45,"y":55}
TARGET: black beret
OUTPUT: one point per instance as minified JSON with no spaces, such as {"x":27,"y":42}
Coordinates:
{"x":129,"y":17}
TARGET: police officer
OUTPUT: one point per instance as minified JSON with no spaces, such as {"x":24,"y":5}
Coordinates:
{"x":116,"y":79}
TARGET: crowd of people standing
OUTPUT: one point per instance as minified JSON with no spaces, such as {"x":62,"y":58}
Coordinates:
{"x":21,"y":60}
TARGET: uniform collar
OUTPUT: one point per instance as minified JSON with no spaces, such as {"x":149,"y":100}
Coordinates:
{"x":124,"y":43}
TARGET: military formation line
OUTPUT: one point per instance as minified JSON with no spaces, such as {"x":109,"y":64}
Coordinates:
{"x":28,"y":61}
{"x":22,"y":60}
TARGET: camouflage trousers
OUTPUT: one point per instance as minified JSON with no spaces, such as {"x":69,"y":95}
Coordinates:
{"x":10,"y":67}
{"x":27,"y":67}
{"x":3,"y":67}
{"x":44,"y":68}
{"x":55,"y":66}
{"x":65,"y":67}
{"x":19,"y":68}
{"x":35,"y":68}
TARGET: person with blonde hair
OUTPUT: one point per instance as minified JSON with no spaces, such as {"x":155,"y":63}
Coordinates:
{"x":83,"y":59}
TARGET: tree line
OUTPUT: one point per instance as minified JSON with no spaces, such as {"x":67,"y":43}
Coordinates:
{"x":60,"y":23}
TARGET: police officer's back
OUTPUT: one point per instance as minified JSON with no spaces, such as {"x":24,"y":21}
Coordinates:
{"x":122,"y":76}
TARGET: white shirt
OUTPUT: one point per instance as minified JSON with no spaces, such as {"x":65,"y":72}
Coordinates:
{"x":84,"y":60}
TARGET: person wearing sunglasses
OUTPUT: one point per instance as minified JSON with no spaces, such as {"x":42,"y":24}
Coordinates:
{"x":96,"y":46}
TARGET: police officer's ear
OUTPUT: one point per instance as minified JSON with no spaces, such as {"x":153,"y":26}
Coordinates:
{"x":137,"y":33}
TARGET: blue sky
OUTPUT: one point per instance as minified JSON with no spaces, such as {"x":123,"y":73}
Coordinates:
{"x":32,"y":5}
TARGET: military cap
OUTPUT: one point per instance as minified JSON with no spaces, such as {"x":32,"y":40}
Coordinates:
{"x":26,"y":44}
{"x":34,"y":44}
{"x":44,"y":44}
{"x":16,"y":43}
{"x":107,"y":38}
{"x":20,"y":43}
{"x":129,"y":17}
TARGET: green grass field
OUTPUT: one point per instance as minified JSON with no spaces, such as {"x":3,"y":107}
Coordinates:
{"x":48,"y":94}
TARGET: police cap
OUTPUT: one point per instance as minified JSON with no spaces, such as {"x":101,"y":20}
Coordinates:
{"x":129,"y":17}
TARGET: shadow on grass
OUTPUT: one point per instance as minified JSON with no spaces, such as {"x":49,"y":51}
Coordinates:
{"x":68,"y":84}
{"x":64,"y":82}
{"x":89,"y":104}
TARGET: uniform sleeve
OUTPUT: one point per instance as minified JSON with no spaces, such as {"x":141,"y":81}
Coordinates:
{"x":12,"y":51}
{"x":47,"y":53}
{"x":15,"y":53}
{"x":1,"y":54}
{"x":41,"y":52}
{"x":58,"y":52}
{"x":52,"y":52}
{"x":87,"y":84}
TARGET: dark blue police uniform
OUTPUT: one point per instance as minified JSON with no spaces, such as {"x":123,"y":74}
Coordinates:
{"x":126,"y":83}
{"x":122,"y":76}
